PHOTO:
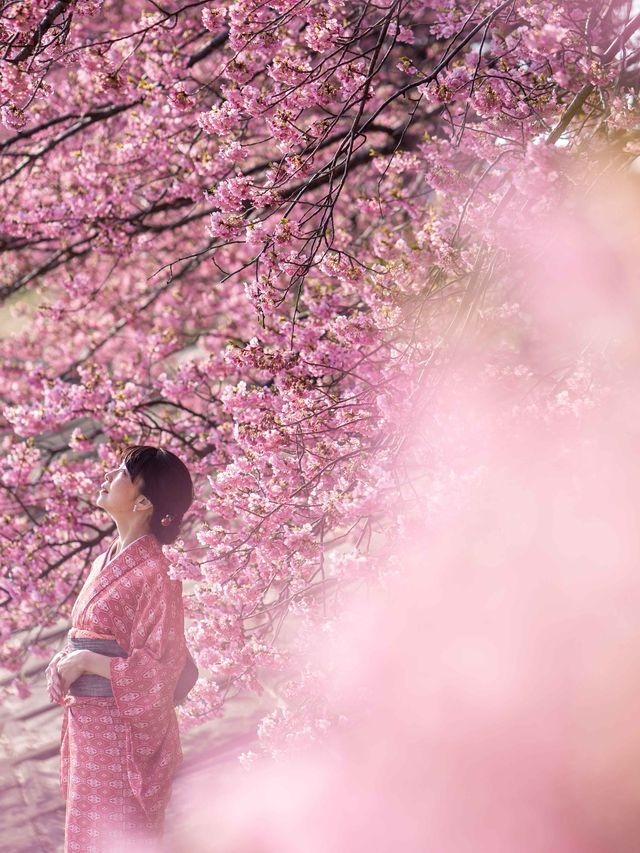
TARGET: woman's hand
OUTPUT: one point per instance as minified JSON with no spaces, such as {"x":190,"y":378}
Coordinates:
{"x":71,"y":667}
{"x":54,"y":682}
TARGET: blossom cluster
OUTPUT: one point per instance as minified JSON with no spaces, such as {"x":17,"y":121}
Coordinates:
{"x":253,"y":233}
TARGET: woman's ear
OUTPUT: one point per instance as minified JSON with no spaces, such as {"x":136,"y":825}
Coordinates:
{"x":142,"y":504}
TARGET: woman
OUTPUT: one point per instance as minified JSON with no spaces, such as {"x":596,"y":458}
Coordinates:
{"x":125,"y":652}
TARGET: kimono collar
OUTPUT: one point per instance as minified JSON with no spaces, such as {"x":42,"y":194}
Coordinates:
{"x":143,"y":548}
{"x":138,"y":552}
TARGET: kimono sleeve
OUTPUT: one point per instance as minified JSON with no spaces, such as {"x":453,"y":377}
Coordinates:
{"x":143,"y":683}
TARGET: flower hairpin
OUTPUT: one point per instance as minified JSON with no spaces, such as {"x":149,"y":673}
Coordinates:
{"x":166,"y":520}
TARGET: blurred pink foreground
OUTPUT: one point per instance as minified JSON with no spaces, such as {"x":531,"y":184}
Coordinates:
{"x":492,"y":688}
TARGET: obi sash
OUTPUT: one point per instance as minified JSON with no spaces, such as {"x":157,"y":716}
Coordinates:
{"x":89,"y":684}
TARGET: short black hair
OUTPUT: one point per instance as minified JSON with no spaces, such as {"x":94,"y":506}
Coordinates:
{"x":166,"y":482}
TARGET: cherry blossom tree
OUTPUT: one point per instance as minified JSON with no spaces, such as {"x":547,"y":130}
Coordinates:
{"x":255,"y":233}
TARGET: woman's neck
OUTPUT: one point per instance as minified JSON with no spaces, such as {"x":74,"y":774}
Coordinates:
{"x":127,"y":535}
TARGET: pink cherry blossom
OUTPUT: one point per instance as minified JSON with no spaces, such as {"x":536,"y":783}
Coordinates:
{"x":260,"y":234}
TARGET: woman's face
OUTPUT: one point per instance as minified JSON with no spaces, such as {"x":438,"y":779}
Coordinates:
{"x":118,"y":493}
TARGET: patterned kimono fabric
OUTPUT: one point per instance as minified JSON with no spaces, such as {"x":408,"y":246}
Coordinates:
{"x":119,"y":752}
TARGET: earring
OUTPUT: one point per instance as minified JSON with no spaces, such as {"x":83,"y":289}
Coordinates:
{"x":166,"y":520}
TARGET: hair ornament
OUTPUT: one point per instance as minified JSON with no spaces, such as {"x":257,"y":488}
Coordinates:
{"x":166,"y":520}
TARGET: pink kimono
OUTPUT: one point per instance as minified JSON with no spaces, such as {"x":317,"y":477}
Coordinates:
{"x":119,"y":753}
